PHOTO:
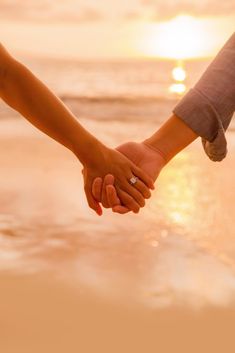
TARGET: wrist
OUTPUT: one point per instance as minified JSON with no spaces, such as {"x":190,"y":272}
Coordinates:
{"x":161,"y":146}
{"x":88,"y":150}
{"x":171,"y":138}
{"x":157,"y":149}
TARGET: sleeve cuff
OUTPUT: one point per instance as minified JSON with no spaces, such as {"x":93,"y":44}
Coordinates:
{"x":199,"y":114}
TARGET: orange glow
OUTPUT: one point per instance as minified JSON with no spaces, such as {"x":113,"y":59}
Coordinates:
{"x":178,"y":88}
{"x":183,"y":37}
{"x":179,"y":75}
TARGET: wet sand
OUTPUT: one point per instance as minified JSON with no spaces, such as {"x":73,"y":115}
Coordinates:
{"x":70,"y":281}
{"x":39,"y":315}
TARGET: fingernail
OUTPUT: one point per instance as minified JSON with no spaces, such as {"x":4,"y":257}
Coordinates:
{"x":99,"y":212}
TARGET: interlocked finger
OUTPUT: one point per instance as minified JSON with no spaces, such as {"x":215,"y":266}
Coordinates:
{"x":127,"y":200}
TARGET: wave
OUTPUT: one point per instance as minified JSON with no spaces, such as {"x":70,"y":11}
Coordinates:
{"x":152,"y":109}
{"x":120,"y":108}
{"x":118,"y":99}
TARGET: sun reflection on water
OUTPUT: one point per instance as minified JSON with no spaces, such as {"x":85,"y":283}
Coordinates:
{"x":179,"y":75}
{"x":178,"y":194}
{"x":177,"y":88}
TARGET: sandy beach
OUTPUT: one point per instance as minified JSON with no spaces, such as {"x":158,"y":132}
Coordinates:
{"x":71,"y":281}
{"x":39,"y":314}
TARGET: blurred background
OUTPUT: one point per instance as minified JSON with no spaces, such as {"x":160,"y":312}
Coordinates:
{"x":116,"y":60}
{"x":67,"y":276}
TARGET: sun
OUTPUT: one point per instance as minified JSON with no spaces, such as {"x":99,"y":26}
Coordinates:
{"x":183,"y":37}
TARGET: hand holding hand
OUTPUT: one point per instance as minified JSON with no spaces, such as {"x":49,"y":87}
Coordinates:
{"x":151,"y":161}
{"x":107,"y":161}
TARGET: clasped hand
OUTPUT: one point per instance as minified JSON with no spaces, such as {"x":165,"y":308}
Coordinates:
{"x":107,"y":178}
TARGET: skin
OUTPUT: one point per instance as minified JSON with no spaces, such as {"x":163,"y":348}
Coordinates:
{"x":140,"y":154}
{"x":150,"y":155}
{"x":25,"y":93}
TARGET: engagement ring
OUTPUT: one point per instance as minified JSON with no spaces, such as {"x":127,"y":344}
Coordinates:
{"x":133,"y":180}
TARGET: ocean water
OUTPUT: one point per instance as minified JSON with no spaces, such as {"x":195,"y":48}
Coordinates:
{"x":115,"y":91}
{"x":122,"y":91}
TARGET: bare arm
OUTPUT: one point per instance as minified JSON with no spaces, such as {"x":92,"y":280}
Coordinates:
{"x":24,"y":92}
{"x":171,"y":138}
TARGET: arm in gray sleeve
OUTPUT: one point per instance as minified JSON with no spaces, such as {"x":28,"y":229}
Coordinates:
{"x":208,"y":108}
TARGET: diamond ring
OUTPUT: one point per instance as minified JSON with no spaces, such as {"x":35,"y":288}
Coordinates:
{"x":133,"y":180}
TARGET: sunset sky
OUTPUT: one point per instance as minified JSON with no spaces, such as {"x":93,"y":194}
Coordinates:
{"x":116,"y":29}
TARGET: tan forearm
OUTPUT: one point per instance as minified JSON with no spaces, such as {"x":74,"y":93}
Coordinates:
{"x":171,"y":138}
{"x":25,"y":93}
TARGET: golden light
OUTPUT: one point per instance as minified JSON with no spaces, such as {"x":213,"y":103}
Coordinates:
{"x":178,"y":88}
{"x":176,"y":199}
{"x":179,"y":74}
{"x":183,"y":37}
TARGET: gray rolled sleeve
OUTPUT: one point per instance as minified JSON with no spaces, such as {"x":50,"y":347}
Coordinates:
{"x":208,"y":108}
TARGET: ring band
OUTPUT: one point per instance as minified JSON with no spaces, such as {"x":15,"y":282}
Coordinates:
{"x":133,"y":180}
